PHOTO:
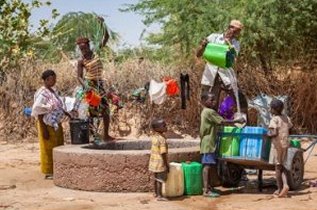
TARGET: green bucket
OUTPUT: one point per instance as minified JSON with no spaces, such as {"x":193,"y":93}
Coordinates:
{"x":220,"y":55}
{"x":230,"y":145}
{"x":295,"y":143}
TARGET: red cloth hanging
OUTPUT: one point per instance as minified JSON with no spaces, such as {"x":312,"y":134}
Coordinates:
{"x":172,"y":87}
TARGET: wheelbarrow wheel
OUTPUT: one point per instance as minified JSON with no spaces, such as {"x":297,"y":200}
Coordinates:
{"x":295,"y":173}
{"x":230,"y":174}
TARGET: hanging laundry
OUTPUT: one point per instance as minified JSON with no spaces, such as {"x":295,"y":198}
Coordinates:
{"x":140,"y":94}
{"x":172,"y":88}
{"x":185,"y":89}
{"x":157,"y":92}
{"x":115,"y":100}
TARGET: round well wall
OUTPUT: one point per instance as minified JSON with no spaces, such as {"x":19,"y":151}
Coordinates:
{"x":120,"y":166}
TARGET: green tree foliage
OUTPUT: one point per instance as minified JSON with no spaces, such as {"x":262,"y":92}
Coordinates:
{"x":183,"y":22}
{"x":15,"y":38}
{"x":274,"y":30}
{"x":163,"y":55}
{"x":279,"y":31}
{"x":16,"y":41}
{"x":70,"y":27}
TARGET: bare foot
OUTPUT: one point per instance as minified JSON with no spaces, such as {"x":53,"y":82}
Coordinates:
{"x":283,"y":192}
{"x":159,"y":198}
{"x":276,"y":192}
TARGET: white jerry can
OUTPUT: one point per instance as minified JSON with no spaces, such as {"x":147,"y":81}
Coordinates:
{"x":174,"y":185}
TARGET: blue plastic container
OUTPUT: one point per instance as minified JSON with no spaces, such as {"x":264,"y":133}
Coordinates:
{"x":27,"y":111}
{"x":253,"y":145}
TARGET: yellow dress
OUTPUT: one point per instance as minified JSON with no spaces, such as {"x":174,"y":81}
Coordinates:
{"x":56,"y":138}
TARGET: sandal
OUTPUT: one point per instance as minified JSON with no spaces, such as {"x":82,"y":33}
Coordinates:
{"x":49,"y":176}
{"x":211,"y":194}
{"x":159,"y":198}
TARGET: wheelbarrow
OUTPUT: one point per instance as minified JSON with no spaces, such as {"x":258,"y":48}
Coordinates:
{"x":230,"y":167}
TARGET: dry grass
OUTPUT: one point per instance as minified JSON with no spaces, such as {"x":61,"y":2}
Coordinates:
{"x":17,"y":92}
{"x":304,"y":97}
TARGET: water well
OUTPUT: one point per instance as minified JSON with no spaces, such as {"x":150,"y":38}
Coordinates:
{"x":120,"y":166}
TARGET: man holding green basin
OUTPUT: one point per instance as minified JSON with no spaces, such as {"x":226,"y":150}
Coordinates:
{"x":214,"y":77}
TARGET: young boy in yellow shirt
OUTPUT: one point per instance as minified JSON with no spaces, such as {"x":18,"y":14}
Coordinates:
{"x":158,"y":159}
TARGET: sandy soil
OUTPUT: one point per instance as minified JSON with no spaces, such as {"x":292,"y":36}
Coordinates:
{"x":22,"y":186}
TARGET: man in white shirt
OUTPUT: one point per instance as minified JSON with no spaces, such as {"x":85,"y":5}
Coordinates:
{"x":214,"y":77}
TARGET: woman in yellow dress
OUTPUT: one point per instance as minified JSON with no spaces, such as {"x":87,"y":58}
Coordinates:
{"x":48,"y":109}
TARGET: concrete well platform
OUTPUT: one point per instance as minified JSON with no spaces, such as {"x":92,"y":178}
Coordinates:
{"x":120,"y":166}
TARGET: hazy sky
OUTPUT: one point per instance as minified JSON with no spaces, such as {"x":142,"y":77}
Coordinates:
{"x":128,"y":25}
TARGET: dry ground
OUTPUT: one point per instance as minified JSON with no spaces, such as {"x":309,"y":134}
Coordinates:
{"x":22,"y":187}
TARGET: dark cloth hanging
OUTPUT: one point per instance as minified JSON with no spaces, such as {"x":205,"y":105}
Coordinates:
{"x":185,"y":89}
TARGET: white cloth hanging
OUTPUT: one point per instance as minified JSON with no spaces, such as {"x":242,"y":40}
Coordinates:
{"x":157,"y":92}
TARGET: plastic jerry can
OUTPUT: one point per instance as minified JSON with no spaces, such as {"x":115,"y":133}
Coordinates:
{"x":192,"y":178}
{"x":229,"y":144}
{"x":174,"y":185}
{"x":220,"y":55}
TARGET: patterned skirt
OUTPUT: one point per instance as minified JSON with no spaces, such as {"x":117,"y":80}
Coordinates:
{"x":98,"y":87}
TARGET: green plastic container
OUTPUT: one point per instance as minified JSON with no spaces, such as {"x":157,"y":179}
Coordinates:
{"x":192,"y":178}
{"x":220,"y":55}
{"x":295,"y":143}
{"x":230,"y":145}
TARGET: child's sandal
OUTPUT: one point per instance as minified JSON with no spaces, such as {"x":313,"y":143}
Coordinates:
{"x":211,"y":194}
{"x":161,"y":199}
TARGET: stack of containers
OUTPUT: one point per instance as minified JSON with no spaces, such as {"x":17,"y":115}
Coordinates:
{"x":253,"y":144}
{"x":174,"y":185}
{"x":193,"y":178}
{"x":230,"y":142}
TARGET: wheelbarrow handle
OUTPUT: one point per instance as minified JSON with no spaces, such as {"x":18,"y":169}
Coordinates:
{"x":311,"y":145}
{"x":303,"y":136}
{"x":314,"y":137}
